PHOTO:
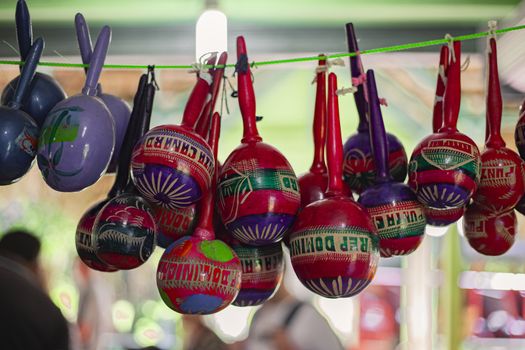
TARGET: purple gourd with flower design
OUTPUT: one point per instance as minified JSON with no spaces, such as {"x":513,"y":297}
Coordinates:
{"x":358,"y":164}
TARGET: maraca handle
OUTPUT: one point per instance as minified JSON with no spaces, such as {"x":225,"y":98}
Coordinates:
{"x":195,"y":103}
{"x":494,"y":103}
{"x":334,"y":146}
{"x":28,"y":72}
{"x":355,"y":72}
{"x":437,"y":116}
{"x":147,"y":111}
{"x":246,"y":94}
{"x":24,"y":31}
{"x":319,"y":128}
{"x":204,"y":229}
{"x":97,"y":61}
{"x":122,"y":177}
{"x":84,"y":39}
{"x":452,"y":92}
{"x":377,"y":130}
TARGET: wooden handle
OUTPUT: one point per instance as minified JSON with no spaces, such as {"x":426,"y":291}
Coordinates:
{"x":195,"y":103}
{"x":246,"y":94}
{"x":334,"y":145}
{"x":355,"y":72}
{"x":319,"y":127}
{"x":27,"y":74}
{"x":452,"y":92}
{"x":97,"y":61}
{"x":494,"y":103}
{"x":24,"y":30}
{"x":437,"y":116}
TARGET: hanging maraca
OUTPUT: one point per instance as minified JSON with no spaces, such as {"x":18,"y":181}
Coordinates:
{"x":124,"y":232}
{"x":178,"y":222}
{"x":78,"y":135}
{"x":199,"y":274}
{"x":445,"y":166}
{"x":395,"y":210}
{"x":118,"y":107}
{"x":84,"y":234}
{"x":258,"y":191}
{"x":18,"y":130}
{"x":44,"y":92}
{"x":489,"y":233}
{"x":358,"y":169}
{"x":441,"y":217}
{"x":501,"y":185}
{"x":334,"y":246}
{"x":172,"y":166}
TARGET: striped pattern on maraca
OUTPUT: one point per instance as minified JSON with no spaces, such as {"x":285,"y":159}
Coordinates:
{"x":174,"y":223}
{"x":172,"y":168}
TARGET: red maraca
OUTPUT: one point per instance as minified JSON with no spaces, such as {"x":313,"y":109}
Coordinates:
{"x":441,"y":217}
{"x":334,"y":246}
{"x":199,"y":274}
{"x":487,"y":232}
{"x":358,"y":169}
{"x":124,"y":232}
{"x":501,"y":185}
{"x":444,"y":167}
{"x":397,"y":215}
{"x":258,"y":191}
{"x":172,"y":166}
{"x":84,"y":233}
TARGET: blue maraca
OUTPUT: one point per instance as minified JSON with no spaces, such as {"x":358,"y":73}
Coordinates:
{"x":118,"y":107}
{"x":18,"y":131}
{"x":44,"y":92}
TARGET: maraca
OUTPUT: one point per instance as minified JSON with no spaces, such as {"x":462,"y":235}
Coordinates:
{"x":78,"y":135}
{"x":124,"y":231}
{"x":334,"y":246}
{"x":258,"y":191}
{"x":118,"y":107}
{"x":199,"y":274}
{"x":358,"y":168}
{"x":44,"y":92}
{"x":172,"y":166}
{"x":18,"y":130}
{"x":441,"y":217}
{"x":487,"y":232}
{"x":178,"y":222}
{"x":501,"y":185}
{"x":444,"y":167}
{"x":84,"y":233}
{"x":395,"y":211}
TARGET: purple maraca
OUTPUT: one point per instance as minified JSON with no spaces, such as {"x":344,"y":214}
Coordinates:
{"x":358,"y":163}
{"x":84,"y":233}
{"x":395,"y":210}
{"x":18,"y":131}
{"x":78,"y":135}
{"x":118,"y":107}
{"x":44,"y":91}
{"x":124,"y":232}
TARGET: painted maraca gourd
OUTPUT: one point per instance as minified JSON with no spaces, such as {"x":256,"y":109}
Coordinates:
{"x":489,"y":233}
{"x":258,"y":191}
{"x":119,"y":109}
{"x":501,"y":185}
{"x":172,"y":166}
{"x":395,"y":210}
{"x":44,"y":92}
{"x":18,"y":130}
{"x":78,"y":135}
{"x":334,"y":245}
{"x":358,"y":164}
{"x":441,"y":217}
{"x":444,"y":169}
{"x":178,"y":222}
{"x":84,"y":234}
{"x":124,"y":231}
{"x":199,"y":274}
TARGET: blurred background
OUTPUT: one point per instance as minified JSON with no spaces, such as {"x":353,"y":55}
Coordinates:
{"x":443,"y":296}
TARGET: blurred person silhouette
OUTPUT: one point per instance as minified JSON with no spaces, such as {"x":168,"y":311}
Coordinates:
{"x":287,"y":323}
{"x":28,"y":317}
{"x":197,"y":336}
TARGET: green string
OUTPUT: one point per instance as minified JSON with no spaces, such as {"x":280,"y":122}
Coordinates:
{"x":393,"y":48}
